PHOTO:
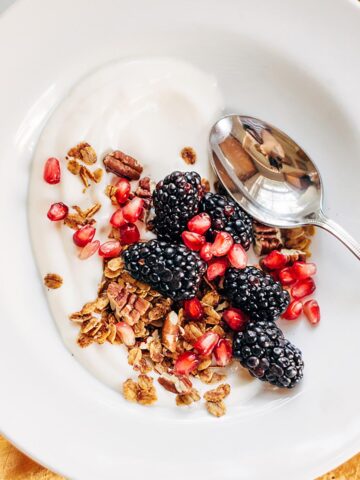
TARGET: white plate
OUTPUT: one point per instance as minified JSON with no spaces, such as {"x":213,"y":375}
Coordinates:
{"x":295,"y":65}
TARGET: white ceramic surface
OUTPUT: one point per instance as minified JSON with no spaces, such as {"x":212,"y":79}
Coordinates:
{"x":295,"y":65}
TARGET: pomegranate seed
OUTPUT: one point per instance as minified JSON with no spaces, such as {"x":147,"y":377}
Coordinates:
{"x":133,"y":210}
{"x":286,"y":276}
{"x":89,"y":250}
{"x":123,"y":188}
{"x":126,"y":333}
{"x":129,"y":233}
{"x":293,"y":311}
{"x":117,"y":218}
{"x":57,"y":211}
{"x":222,"y":244}
{"x":206,"y":343}
{"x":110,"y":249}
{"x":223,"y":352}
{"x":217,"y":268}
{"x":187,"y":362}
{"x":274,"y":274}
{"x":312,"y":311}
{"x":235,"y":318}
{"x":200,"y":223}
{"x":194,"y":241}
{"x":52,"y":171}
{"x":303,"y":288}
{"x":84,"y":235}
{"x":193,"y":309}
{"x":237,"y":256}
{"x":206,"y":252}
{"x":274,"y":261}
{"x":303,"y":270}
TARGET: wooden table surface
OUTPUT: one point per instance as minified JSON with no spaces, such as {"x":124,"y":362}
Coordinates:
{"x":16,"y":466}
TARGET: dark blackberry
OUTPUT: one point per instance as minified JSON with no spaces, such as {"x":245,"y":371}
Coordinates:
{"x":256,"y":293}
{"x":227,"y":216}
{"x":176,"y":200}
{"x":173,"y":270}
{"x":265,"y":352}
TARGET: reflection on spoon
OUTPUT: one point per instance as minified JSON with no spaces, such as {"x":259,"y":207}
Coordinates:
{"x":270,"y":176}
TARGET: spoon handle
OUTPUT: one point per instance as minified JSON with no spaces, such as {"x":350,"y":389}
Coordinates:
{"x":338,"y":232}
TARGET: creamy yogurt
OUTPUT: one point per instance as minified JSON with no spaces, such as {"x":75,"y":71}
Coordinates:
{"x":149,"y":108}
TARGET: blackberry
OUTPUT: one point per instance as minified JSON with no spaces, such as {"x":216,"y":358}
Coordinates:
{"x":173,"y":270}
{"x":265,"y":352}
{"x":176,"y":200}
{"x":227,"y":216}
{"x":256,"y":293}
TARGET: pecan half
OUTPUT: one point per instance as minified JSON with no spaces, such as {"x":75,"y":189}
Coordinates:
{"x":123,"y":165}
{"x":266,"y":238}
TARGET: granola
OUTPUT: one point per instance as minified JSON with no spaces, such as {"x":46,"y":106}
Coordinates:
{"x":188,"y":154}
{"x":53,"y":280}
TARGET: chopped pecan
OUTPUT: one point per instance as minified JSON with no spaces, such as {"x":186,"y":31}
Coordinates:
{"x":145,"y":188}
{"x":175,"y":384}
{"x":123,"y":165}
{"x":187,"y":398}
{"x":170,"y":331}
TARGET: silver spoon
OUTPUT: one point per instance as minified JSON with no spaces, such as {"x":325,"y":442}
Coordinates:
{"x":270,"y":176}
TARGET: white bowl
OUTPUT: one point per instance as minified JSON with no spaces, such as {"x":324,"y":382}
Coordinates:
{"x":296,"y":66}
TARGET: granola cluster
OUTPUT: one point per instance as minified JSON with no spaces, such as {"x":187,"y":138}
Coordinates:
{"x":78,"y":159}
{"x":161,"y":335}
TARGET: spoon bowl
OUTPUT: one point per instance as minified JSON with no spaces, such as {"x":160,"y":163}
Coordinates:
{"x":270,"y":176}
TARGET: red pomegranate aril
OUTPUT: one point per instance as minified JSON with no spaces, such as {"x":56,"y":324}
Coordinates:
{"x":223,"y":352}
{"x":286,"y":276}
{"x":302,"y":270}
{"x":186,"y":362}
{"x":132,"y":211}
{"x":302,"y":288}
{"x":222,"y":244}
{"x":235,"y":318}
{"x":274,"y":261}
{"x":117,"y":218}
{"x":206,"y":343}
{"x":193,"y":309}
{"x":312,"y":311}
{"x":126,"y":333}
{"x":200,"y":223}
{"x":110,"y":249}
{"x":237,"y":256}
{"x":89,"y":250}
{"x":84,"y":235}
{"x":129,"y":234}
{"x":206,"y":252}
{"x":123,"y":189}
{"x":192,"y":240}
{"x":217,"y":268}
{"x":57,"y":211}
{"x":52,"y":171}
{"x":274,"y":274}
{"x":293,"y":311}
